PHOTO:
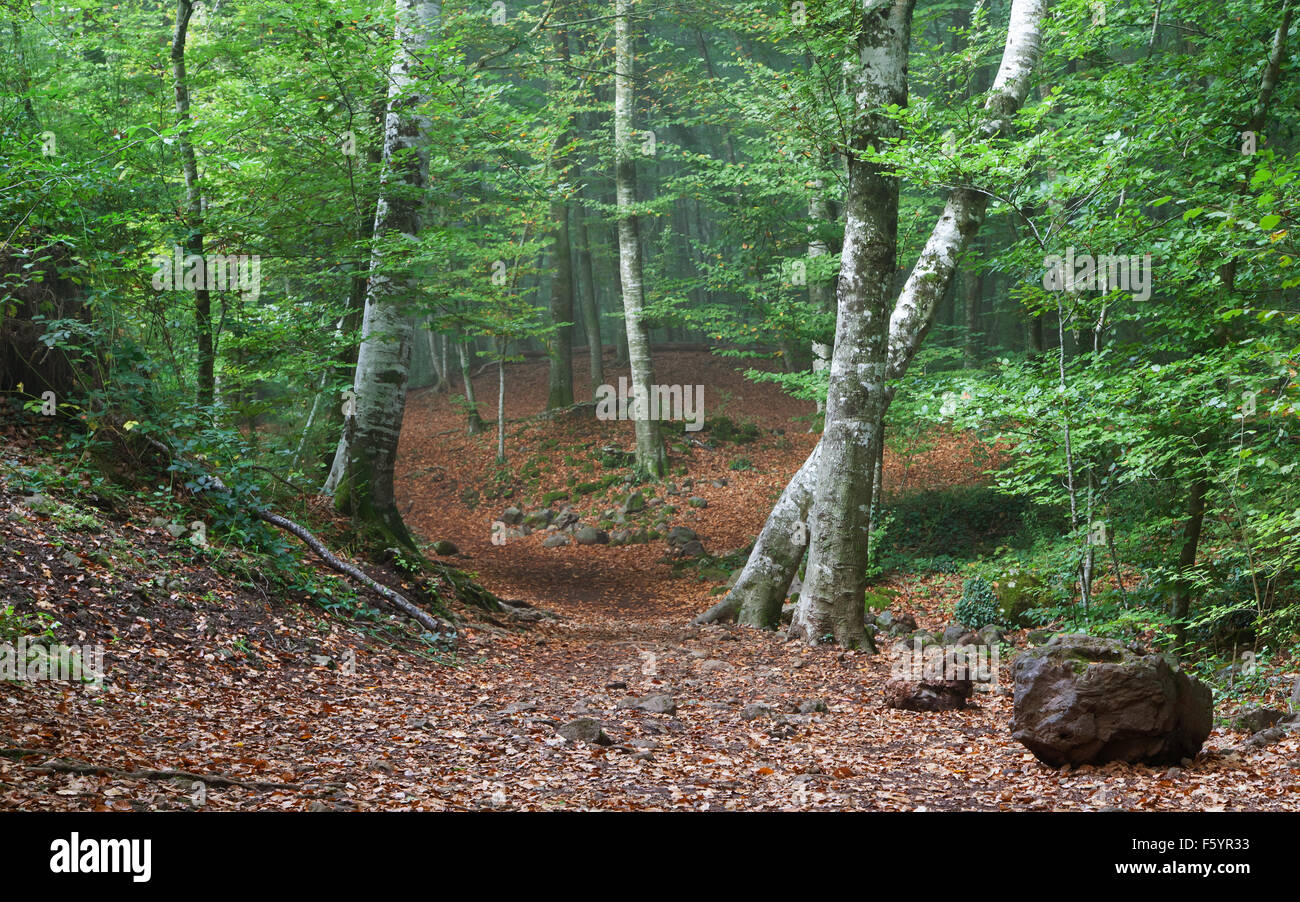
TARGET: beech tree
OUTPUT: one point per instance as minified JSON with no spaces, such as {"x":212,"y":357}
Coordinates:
{"x":650,"y":454}
{"x":368,"y":448}
{"x":825,"y":508}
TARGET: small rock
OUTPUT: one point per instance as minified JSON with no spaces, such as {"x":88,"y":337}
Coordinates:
{"x":559,"y":540}
{"x":1040,"y":637}
{"x":539,"y":519}
{"x":680,"y":535}
{"x":633,"y":503}
{"x":698,"y":502}
{"x":813,"y":705}
{"x":953,"y":632}
{"x":444,"y":548}
{"x":928,"y":695}
{"x":589,"y":535}
{"x":1265,"y":737}
{"x":176,"y":530}
{"x":519,"y":707}
{"x":659,"y":703}
{"x":71,"y":559}
{"x":903,"y":624}
{"x":925,"y":637}
{"x":754,"y":712}
{"x":585,"y":729}
{"x":1257,"y":719}
{"x":714,"y":666}
{"x":512,"y":516}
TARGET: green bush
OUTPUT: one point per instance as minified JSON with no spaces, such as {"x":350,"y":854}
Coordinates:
{"x":978,"y":606}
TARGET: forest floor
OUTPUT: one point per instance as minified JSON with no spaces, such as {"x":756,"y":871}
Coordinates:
{"x":208,"y":679}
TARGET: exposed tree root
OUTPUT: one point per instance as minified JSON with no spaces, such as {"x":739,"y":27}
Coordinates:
{"x":72,"y":766}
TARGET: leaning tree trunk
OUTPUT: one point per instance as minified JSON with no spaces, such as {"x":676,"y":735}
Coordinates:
{"x":831,"y":601}
{"x":932,"y":274}
{"x":383,"y":361}
{"x":650,"y":455}
{"x":764,"y":583}
{"x":207,"y":355}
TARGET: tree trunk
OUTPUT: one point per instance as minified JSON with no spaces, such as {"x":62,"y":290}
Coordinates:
{"x":383,"y":362}
{"x":821,"y":292}
{"x":1187,"y":558}
{"x":971,"y":288}
{"x":501,"y":401}
{"x":207,"y":357}
{"x":764,"y":583}
{"x":560,"y":342}
{"x":650,"y":454}
{"x":587,"y":300}
{"x":475,"y":419}
{"x":831,"y":602}
{"x":963,"y":212}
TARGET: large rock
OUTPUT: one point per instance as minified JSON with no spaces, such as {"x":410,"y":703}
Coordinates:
{"x":1085,"y":700}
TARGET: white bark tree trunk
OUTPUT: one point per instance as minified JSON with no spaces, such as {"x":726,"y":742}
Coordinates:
{"x":650,"y":455}
{"x":831,"y":602}
{"x":821,"y":292}
{"x":831,"y":608}
{"x":369,"y":449}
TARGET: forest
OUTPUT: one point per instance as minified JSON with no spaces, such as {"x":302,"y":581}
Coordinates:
{"x":537,"y":405}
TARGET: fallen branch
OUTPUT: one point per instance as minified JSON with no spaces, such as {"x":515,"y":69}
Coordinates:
{"x":397,"y":600}
{"x":428,"y":621}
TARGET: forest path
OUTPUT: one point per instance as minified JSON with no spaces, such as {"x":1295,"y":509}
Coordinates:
{"x":746,"y":731}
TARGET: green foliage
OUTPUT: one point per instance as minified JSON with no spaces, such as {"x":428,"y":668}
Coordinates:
{"x":15,"y":624}
{"x":978,"y":606}
{"x":725,"y":429}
